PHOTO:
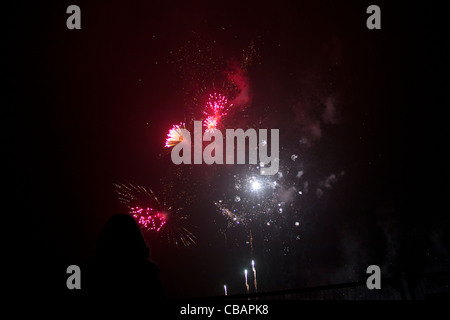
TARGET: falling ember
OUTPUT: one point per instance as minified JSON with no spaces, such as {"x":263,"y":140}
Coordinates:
{"x":215,"y":109}
{"x":149,"y":218}
{"x":174,"y":136}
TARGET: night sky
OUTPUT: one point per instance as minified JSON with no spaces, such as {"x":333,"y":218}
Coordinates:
{"x":88,"y":108}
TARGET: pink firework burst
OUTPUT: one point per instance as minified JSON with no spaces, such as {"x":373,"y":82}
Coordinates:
{"x":148,"y":218}
{"x":211,"y":123}
{"x":215,"y":109}
{"x":154,"y":216}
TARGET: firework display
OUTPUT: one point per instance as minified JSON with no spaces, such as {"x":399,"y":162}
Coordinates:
{"x":226,"y":151}
{"x":261,"y":214}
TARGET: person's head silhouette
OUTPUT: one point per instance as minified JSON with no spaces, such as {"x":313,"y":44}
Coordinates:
{"x":121,"y":238}
{"x":121,"y":264}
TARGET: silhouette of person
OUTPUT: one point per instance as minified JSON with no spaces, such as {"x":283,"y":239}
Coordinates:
{"x":120,"y":266}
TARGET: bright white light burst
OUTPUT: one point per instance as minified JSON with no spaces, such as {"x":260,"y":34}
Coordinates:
{"x":255,"y":185}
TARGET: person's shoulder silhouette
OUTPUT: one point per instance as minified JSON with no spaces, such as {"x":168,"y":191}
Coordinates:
{"x":121,"y":265}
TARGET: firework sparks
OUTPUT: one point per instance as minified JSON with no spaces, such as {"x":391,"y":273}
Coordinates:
{"x":255,"y":185}
{"x":227,"y":213}
{"x":260,"y":211}
{"x":211,"y":123}
{"x":215,"y":109}
{"x":149,"y":218}
{"x":153,"y":215}
{"x":174,"y":136}
{"x":252,"y":199}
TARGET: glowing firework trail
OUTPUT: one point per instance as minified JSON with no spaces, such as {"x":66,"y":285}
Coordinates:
{"x":174,"y":136}
{"x":215,"y":109}
{"x":254,"y":276}
{"x":225,"y":289}
{"x":133,"y":195}
{"x":246,"y":283}
{"x":227,"y":213}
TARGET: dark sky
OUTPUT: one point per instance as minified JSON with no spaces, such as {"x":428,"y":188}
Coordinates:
{"x":87,"y":108}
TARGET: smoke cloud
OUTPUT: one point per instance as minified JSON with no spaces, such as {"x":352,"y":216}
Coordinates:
{"x":239,"y":78}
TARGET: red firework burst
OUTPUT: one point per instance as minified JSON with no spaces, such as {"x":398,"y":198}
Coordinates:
{"x":216,"y":108}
